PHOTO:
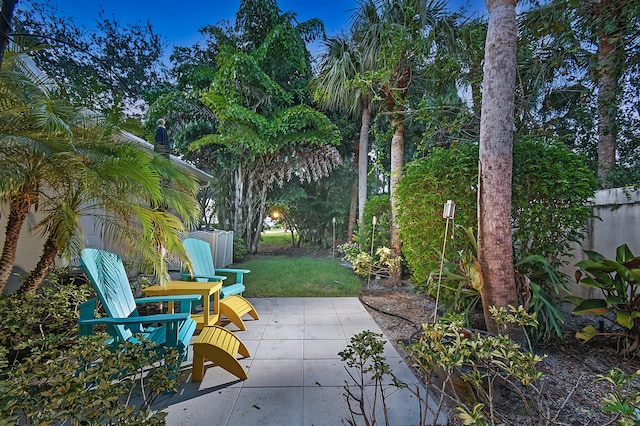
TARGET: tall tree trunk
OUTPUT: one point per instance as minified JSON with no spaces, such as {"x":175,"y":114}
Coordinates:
{"x":353,"y":204}
{"x":6,"y":15}
{"x":363,"y":157}
{"x":18,"y":209}
{"x":261,"y":209}
{"x":397,"y":161}
{"x":496,"y":159}
{"x":47,"y":260}
{"x":609,"y":58}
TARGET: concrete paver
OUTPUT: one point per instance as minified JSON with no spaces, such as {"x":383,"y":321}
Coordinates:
{"x":296,"y":376}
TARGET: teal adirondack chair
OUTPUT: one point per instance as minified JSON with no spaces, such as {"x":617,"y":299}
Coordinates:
{"x":109,"y":279}
{"x":199,"y":253}
{"x":232,"y":305}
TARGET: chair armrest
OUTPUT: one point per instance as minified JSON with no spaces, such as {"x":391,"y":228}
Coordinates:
{"x":211,"y":278}
{"x":239,"y":273}
{"x":235,"y":271}
{"x":175,"y":298}
{"x":164,"y":318}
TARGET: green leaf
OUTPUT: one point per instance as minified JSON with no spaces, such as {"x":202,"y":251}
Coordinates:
{"x":590,"y":282}
{"x":624,"y":318}
{"x":591,"y":306}
{"x":587,"y":333}
{"x":623,"y":254}
{"x":615,"y":300}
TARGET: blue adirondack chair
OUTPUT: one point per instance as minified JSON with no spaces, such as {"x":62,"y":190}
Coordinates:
{"x":109,"y":279}
{"x":199,"y":253}
{"x":232,"y":305}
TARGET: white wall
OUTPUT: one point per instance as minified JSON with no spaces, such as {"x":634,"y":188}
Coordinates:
{"x":616,"y":222}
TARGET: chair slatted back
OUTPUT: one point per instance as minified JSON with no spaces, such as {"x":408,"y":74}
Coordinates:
{"x":199,"y":253}
{"x":109,"y":278}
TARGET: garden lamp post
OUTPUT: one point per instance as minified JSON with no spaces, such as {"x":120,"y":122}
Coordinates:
{"x":448,"y":213}
{"x":333,"y":244}
{"x":373,"y":234}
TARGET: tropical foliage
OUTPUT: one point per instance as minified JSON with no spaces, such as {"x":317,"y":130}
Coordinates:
{"x":64,"y":163}
{"x":618,"y":280}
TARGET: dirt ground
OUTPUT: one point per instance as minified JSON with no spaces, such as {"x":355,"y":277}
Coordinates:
{"x":569,"y":369}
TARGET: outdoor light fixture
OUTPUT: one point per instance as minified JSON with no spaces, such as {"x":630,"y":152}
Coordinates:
{"x":333,"y":244}
{"x":448,"y":212}
{"x":373,"y":234}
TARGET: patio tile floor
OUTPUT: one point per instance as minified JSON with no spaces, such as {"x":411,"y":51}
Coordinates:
{"x":296,"y":376}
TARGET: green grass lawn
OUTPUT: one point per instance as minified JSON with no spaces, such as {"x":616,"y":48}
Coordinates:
{"x":289,"y":276}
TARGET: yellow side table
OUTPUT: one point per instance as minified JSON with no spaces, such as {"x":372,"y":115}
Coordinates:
{"x":211,"y":311}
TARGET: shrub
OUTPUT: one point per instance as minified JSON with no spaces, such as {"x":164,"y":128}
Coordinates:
{"x":426,"y":185}
{"x":49,"y":376}
{"x":551,"y":186}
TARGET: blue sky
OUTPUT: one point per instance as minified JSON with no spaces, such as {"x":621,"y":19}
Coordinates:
{"x":178,"y":22}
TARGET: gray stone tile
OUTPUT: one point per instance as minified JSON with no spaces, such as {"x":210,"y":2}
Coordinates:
{"x":324,"y":406}
{"x":324,"y":332}
{"x":275,"y":373}
{"x":279,"y":349}
{"x":324,"y":348}
{"x":267,"y":406}
{"x":277,"y":331}
{"x":327,"y":318}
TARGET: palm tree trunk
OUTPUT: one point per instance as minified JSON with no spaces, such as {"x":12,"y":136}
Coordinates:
{"x":47,"y":260}
{"x":608,"y":74}
{"x":353,"y":207}
{"x":18,"y":209}
{"x":6,"y":14}
{"x":496,"y":161}
{"x":363,"y":157}
{"x":397,"y":162}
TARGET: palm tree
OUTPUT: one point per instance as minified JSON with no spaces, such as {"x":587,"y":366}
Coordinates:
{"x":401,"y":34}
{"x":495,"y":162}
{"x":335,"y":87}
{"x":63,"y":161}
{"x":33,"y":133}
{"x":122,"y":187}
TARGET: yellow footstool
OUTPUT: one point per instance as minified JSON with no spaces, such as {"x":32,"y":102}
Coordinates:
{"x":221,"y":346}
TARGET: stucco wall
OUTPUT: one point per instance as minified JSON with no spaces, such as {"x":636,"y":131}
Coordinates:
{"x":616,"y":222}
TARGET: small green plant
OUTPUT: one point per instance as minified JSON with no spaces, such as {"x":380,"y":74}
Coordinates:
{"x":618,"y":279}
{"x":382,"y":264}
{"x":471,"y":367}
{"x":624,"y":399}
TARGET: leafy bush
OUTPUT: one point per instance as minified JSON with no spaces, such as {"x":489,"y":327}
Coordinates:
{"x":48,"y":376}
{"x":68,"y":385}
{"x":239,"y":249}
{"x":48,"y":316}
{"x":550,"y":188}
{"x":471,"y":366}
{"x":539,"y":286}
{"x":619,"y":281}
{"x":426,"y":185}
{"x":382,"y":264}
